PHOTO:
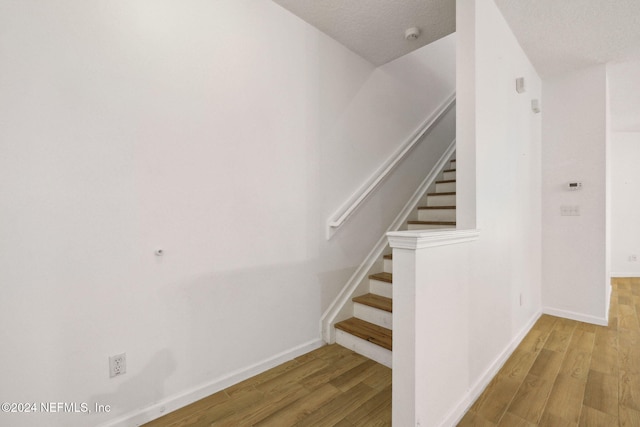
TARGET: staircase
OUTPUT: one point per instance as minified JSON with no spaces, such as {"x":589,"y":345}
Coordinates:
{"x":369,"y":331}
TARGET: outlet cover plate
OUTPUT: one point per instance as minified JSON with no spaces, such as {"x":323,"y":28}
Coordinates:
{"x":117,"y":365}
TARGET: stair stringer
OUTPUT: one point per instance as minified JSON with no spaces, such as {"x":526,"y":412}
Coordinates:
{"x":341,"y":307}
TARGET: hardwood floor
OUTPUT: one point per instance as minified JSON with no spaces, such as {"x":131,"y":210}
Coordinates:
{"x":564,"y":373}
{"x":567,"y":373}
{"x":331,"y":386}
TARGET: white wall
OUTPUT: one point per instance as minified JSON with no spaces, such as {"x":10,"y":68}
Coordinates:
{"x":625,"y":203}
{"x":475,"y":289}
{"x":624,"y":94}
{"x":574,"y":142}
{"x":466,"y":108}
{"x":506,"y":261}
{"x":624,"y":178}
{"x":223,"y":132}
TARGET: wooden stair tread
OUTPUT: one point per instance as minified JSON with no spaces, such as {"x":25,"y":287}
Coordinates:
{"x":450,"y":193}
{"x":436,"y":207}
{"x":388,"y":256}
{"x":367,"y":331}
{"x":375,"y":301}
{"x":446,"y":181}
{"x":449,"y":170}
{"x":432,"y":222}
{"x":383,"y":277}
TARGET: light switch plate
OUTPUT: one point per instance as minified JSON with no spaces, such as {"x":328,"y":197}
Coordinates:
{"x":570,"y":210}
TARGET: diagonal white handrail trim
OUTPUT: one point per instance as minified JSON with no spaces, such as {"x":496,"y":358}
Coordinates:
{"x":331,"y":313}
{"x":340,"y":216}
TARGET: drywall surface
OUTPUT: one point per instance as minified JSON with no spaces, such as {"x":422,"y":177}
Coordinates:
{"x":224,"y":133}
{"x":624,"y":96}
{"x":466,"y":109}
{"x":489,"y":289}
{"x":622,"y":167}
{"x":574,"y":138}
{"x":504,"y":284}
{"x":625,"y":204}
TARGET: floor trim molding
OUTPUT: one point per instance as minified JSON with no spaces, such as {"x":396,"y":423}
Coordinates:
{"x":575,"y":316}
{"x":478,"y":387}
{"x":634,"y":274}
{"x":180,"y":400}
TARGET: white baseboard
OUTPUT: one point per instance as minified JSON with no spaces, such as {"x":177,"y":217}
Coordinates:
{"x":634,"y":274}
{"x":454,"y":417}
{"x":180,"y":400}
{"x":575,"y":316}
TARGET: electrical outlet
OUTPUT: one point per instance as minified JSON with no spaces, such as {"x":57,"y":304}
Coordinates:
{"x":117,"y":365}
{"x":633,"y":258}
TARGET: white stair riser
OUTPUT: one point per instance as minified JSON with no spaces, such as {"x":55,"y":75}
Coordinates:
{"x":363,"y":347}
{"x":446,"y":187}
{"x":452,"y":164}
{"x":428,"y":226}
{"x":388,"y":266}
{"x":449,"y":200}
{"x":383,"y":289}
{"x":449,"y":175}
{"x":437,"y":215}
{"x":373,"y":315}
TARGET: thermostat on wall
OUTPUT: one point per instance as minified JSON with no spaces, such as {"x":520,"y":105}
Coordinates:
{"x":573,"y":186}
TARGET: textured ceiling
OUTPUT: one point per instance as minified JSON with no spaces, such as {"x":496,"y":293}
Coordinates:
{"x":558,"y":35}
{"x":563,"y":35}
{"x":374,"y":29}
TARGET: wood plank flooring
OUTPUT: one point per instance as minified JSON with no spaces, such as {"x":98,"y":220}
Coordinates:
{"x":567,"y":373}
{"x":331,"y":386}
{"x":563,"y":373}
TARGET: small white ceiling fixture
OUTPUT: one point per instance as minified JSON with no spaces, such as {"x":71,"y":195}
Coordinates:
{"x":558,"y":35}
{"x":373,"y":28}
{"x":412,"y":33}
